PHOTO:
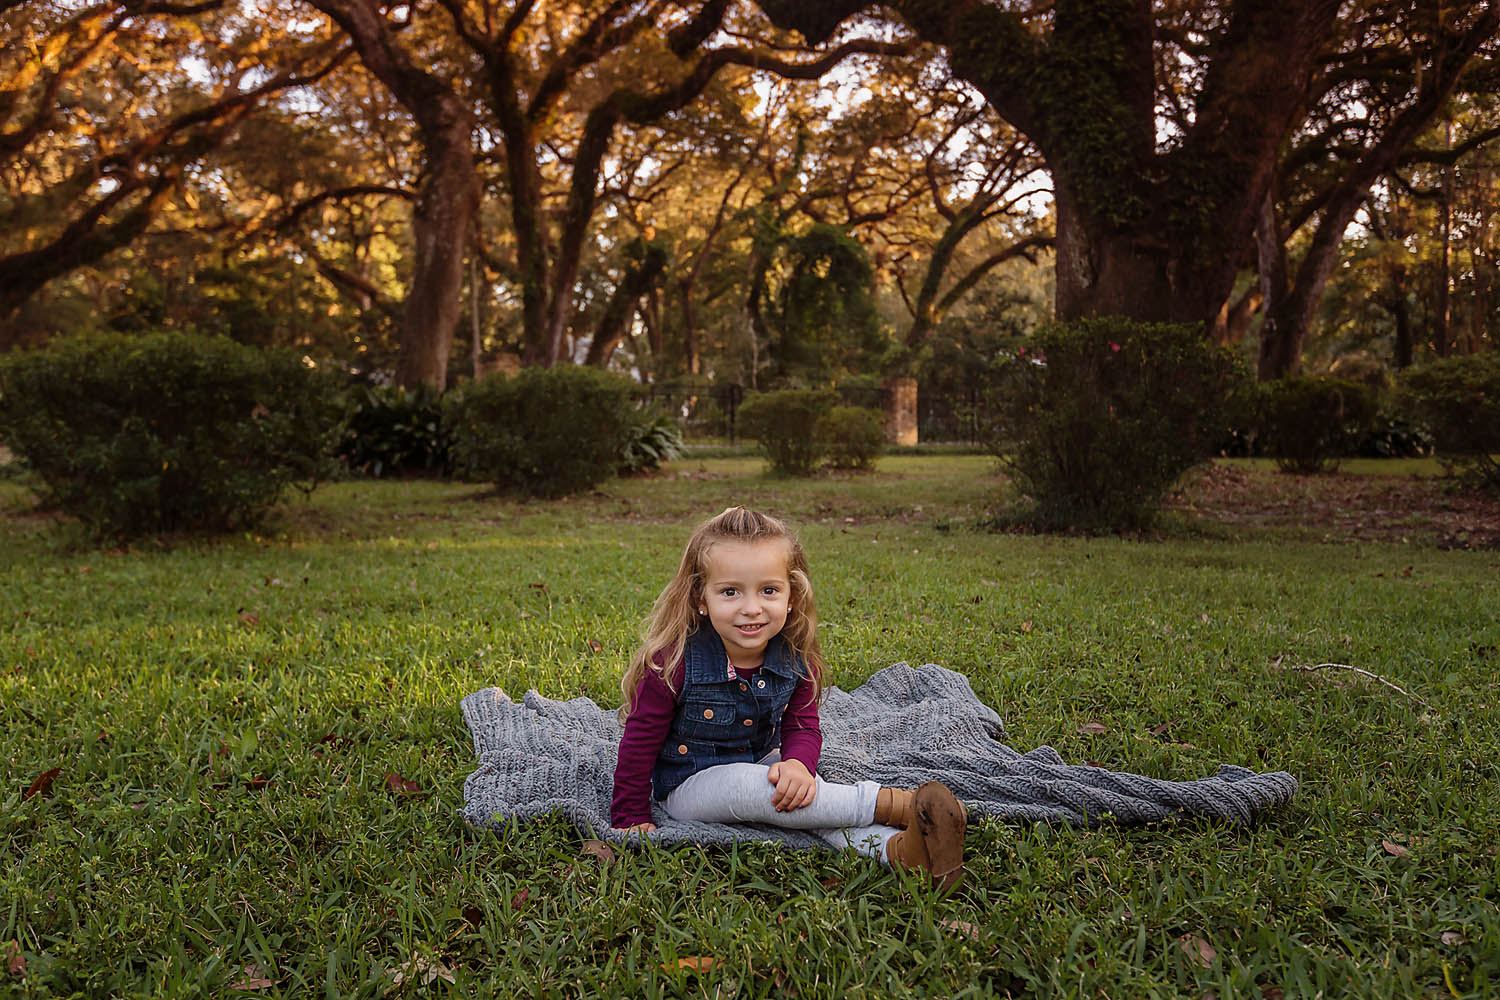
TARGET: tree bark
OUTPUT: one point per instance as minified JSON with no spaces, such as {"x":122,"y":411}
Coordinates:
{"x":446,"y":202}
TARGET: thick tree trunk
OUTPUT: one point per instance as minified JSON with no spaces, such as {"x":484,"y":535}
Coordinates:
{"x":622,"y":304}
{"x":440,"y":224}
{"x":1401,"y":313}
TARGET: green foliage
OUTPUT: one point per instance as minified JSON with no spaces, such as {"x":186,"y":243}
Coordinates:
{"x":1100,"y":419}
{"x":394,"y":432}
{"x":852,"y":436}
{"x":135,"y":435}
{"x":653,"y":438}
{"x":818,"y":304}
{"x":543,"y":432}
{"x":785,"y":423}
{"x":1395,"y":436}
{"x":1458,"y":399}
{"x":1308,"y":422}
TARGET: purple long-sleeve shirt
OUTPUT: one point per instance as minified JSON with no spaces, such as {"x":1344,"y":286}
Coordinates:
{"x":649,"y":722}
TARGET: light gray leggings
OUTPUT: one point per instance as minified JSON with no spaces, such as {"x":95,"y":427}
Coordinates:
{"x":843,"y":815}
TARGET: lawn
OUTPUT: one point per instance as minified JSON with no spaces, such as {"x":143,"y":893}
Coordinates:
{"x":225,"y":717}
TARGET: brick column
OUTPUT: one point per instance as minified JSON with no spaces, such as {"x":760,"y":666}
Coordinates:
{"x":901,"y":410}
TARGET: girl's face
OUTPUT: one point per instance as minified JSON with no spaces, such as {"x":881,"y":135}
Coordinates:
{"x":746,"y":593}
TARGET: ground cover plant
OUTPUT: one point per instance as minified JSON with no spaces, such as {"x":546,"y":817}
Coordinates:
{"x":234,"y":768}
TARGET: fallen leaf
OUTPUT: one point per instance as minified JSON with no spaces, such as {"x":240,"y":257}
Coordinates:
{"x":1395,"y":850}
{"x":249,"y":619}
{"x":473,"y":915}
{"x":600,"y":850}
{"x":963,"y":927}
{"x":1272,"y":993}
{"x":252,"y":979}
{"x":256,"y":783}
{"x":1026,"y":626}
{"x":401,"y":786}
{"x":15,"y":962}
{"x":1453,"y":938}
{"x":1197,"y":950}
{"x":42,"y":785}
{"x":596,"y":645}
{"x":696,"y":964}
{"x":831,"y":882}
{"x":538,"y":586}
{"x":423,"y":971}
{"x":519,"y":899}
{"x":1093,"y":729}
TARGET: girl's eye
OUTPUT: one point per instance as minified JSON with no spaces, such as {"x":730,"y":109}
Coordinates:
{"x":727,"y":592}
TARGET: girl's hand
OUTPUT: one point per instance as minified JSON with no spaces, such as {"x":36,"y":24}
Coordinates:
{"x":795,"y":786}
{"x":638,"y":828}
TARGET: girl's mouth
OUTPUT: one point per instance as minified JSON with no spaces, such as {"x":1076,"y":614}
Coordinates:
{"x":751,"y":629}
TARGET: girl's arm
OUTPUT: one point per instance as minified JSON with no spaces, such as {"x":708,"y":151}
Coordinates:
{"x":801,"y":736}
{"x":645,"y":731}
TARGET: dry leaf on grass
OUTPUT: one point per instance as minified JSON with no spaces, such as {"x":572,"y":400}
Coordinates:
{"x":422,"y":971}
{"x":519,"y":899}
{"x":1197,"y":950}
{"x":252,"y":978}
{"x":962,"y":927}
{"x":596,"y":645}
{"x":42,"y":785}
{"x":249,"y":620}
{"x":1093,"y":729}
{"x":401,"y":786}
{"x":600,"y":850}
{"x":1395,"y":850}
{"x":698,"y":963}
{"x":15,"y":962}
{"x":1453,"y":938}
{"x":1272,"y":993}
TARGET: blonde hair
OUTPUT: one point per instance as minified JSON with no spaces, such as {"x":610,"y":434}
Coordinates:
{"x":675,"y":616}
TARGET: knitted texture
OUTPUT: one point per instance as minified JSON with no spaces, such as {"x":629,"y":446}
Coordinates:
{"x":901,"y":727}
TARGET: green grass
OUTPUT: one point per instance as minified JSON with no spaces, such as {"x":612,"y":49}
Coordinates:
{"x":198,"y":823}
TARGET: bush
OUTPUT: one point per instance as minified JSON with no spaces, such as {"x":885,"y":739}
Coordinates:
{"x":1104,"y":415}
{"x":163,"y":432}
{"x":653,"y":438}
{"x":785,"y":423}
{"x":1458,"y":400}
{"x":544,"y":432}
{"x":1309,"y":422}
{"x":1394,"y":436}
{"x":392,"y":432}
{"x":852,"y":436}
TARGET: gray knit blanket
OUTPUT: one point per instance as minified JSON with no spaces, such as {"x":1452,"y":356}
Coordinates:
{"x":901,"y":727}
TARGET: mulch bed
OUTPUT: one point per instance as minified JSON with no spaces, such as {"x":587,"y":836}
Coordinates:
{"x":1342,"y":507}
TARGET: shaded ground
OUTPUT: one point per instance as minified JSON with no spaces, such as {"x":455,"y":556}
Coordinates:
{"x":1343,"y":507}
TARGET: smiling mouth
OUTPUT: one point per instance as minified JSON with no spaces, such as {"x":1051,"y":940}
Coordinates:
{"x":751,"y":629}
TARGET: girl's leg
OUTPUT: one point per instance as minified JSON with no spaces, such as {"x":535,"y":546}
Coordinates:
{"x":869,"y":840}
{"x":741,"y":793}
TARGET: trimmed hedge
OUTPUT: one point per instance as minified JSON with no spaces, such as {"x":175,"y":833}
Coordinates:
{"x":785,"y":423}
{"x":391,"y":431}
{"x":544,"y":432}
{"x":1458,"y":400}
{"x":162,"y":432}
{"x":852,"y":436}
{"x":1308,"y":422}
{"x":1101,"y":416}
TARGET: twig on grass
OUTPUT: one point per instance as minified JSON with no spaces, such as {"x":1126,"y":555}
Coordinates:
{"x":1344,"y":666}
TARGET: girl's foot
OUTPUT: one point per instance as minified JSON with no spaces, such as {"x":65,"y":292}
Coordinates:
{"x":936,"y":843}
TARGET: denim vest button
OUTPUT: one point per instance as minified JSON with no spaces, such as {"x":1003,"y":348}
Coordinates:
{"x":744,"y":686}
{"x":682,"y":749}
{"x":708,"y":713}
{"x":749,"y":722}
{"x":760,"y":683}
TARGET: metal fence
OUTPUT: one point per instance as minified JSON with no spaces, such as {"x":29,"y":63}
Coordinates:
{"x":709,"y":411}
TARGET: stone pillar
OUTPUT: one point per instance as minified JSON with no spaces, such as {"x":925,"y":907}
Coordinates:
{"x":901,"y":410}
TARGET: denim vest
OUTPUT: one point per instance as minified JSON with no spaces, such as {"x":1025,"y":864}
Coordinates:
{"x":721,"y":718}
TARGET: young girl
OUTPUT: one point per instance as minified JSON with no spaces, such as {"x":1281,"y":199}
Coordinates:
{"x":721,"y":710}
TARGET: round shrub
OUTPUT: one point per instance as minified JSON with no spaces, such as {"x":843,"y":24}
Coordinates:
{"x":1309,"y":422}
{"x":785,"y":423}
{"x":544,"y":432}
{"x":165,"y":432}
{"x":1458,"y":400}
{"x":1102,"y":416}
{"x":852,"y":436}
{"x":392,"y":431}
